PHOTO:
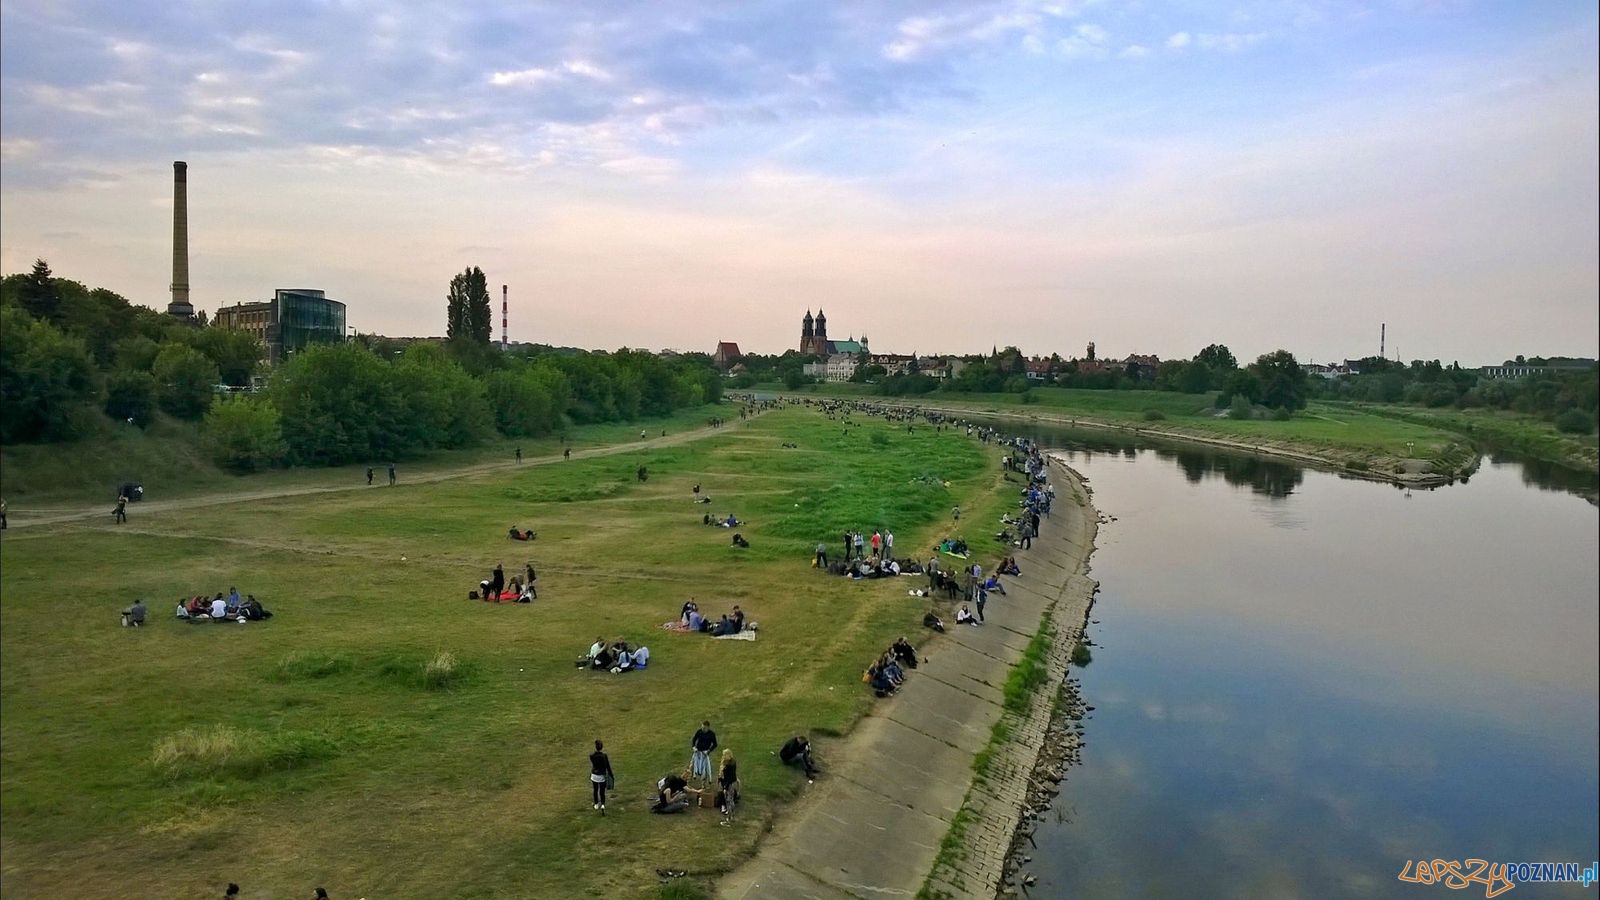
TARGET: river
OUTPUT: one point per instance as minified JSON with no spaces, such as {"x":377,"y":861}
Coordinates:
{"x":1301,"y":681}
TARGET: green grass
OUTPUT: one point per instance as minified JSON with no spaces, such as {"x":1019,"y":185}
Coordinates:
{"x":381,"y":735}
{"x":168,"y":459}
{"x":1339,"y":430}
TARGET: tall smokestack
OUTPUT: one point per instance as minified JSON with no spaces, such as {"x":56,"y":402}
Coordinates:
{"x":505,"y":306}
{"x":1383,"y":336}
{"x":180,"y":305}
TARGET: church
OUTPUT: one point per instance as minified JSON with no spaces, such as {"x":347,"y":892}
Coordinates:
{"x":814,"y":338}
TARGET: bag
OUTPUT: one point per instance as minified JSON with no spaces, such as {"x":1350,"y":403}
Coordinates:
{"x":472,"y":595}
{"x":611,"y":781}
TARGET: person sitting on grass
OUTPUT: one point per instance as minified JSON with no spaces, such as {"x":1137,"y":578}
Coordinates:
{"x":892,"y":668}
{"x":882,"y":686}
{"x":689,"y":606}
{"x":183,"y":608}
{"x":199,"y":606}
{"x":672,"y":795}
{"x":738,"y":619}
{"x":1008,"y":566}
{"x":251,"y":609}
{"x":964,"y":616}
{"x":640,"y":657}
{"x":219,"y":608}
{"x":796,"y":751}
{"x":904,"y":652}
{"x":739,"y":541}
{"x":133,"y":616}
{"x":730,"y":521}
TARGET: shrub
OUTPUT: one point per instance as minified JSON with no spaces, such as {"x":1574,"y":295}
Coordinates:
{"x":1282,"y":414}
{"x":1081,"y":656}
{"x":441,"y":671}
{"x":1241,"y":408}
{"x":1154,"y":415}
{"x":185,"y":380}
{"x":1575,"y":421}
{"x":243,"y":433}
{"x":131,"y":396}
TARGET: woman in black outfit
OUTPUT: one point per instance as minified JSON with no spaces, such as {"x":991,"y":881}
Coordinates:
{"x":600,"y":775}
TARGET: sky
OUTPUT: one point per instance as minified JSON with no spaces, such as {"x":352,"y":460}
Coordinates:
{"x":938,"y":176}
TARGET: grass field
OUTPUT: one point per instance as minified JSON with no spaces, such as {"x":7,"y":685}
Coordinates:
{"x":169,"y":459}
{"x":1342,"y":429}
{"x":384,"y":736}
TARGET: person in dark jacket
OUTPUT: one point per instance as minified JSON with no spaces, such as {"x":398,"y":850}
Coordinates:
{"x":796,"y":751}
{"x":600,"y":775}
{"x":703,"y":742}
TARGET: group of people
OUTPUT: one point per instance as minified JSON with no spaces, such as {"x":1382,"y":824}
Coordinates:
{"x":888,"y":671}
{"x":732,"y":622}
{"x":496,"y":589}
{"x":200,"y":609}
{"x":673,"y":790}
{"x":616,"y":657}
{"x":858,"y":546}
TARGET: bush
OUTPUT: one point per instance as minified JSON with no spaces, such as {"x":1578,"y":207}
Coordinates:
{"x":185,"y":381}
{"x":44,"y":376}
{"x":131,"y":396}
{"x":1241,"y":408}
{"x":1575,"y":421}
{"x":1282,"y":414}
{"x":1081,"y":656}
{"x":1154,"y":415}
{"x":243,"y":434}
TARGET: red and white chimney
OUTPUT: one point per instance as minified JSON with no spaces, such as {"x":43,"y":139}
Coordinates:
{"x":505,"y":307}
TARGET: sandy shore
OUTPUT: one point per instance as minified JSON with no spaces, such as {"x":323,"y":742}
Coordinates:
{"x":891,"y":790}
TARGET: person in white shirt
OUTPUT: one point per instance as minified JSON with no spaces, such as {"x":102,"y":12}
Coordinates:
{"x":219,"y":608}
{"x":641,"y":657}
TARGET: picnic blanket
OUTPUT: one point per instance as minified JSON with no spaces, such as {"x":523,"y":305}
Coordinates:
{"x":746,"y":635}
{"x":677,"y":626}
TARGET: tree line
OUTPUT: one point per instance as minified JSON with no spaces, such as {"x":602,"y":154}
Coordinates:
{"x":73,"y":356}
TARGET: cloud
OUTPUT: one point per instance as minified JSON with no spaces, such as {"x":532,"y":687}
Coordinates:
{"x":1085,"y":42}
{"x":1134,"y":51}
{"x":1230,"y":41}
{"x":1179,"y":40}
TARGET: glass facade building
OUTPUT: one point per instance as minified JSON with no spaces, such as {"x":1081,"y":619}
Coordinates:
{"x":295,"y":318}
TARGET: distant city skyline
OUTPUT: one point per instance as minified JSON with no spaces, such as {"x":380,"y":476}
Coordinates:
{"x":943,"y":177}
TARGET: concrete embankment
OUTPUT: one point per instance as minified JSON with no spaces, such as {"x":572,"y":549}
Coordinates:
{"x":893,"y":788}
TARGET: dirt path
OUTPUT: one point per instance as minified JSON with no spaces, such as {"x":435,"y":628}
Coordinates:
{"x":22,"y":519}
{"x":873,"y":823}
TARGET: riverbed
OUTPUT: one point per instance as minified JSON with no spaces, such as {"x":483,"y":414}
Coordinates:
{"x":1302,"y":682}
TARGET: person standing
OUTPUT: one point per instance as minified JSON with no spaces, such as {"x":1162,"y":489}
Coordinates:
{"x":955,"y":513}
{"x":888,"y":544}
{"x":1026,"y":542}
{"x":728,"y":782}
{"x":860,"y":546}
{"x":983,"y":600}
{"x":497,"y":582}
{"x":391,"y":475}
{"x":600,"y":775}
{"x":821,"y":562}
{"x":120,"y":514}
{"x":519,"y":454}
{"x":847,"y":546}
{"x":2,"y":514}
{"x":369,"y":475}
{"x":703,"y":742}
{"x":567,"y":453}
{"x":532,"y":578}
{"x":877,"y":544}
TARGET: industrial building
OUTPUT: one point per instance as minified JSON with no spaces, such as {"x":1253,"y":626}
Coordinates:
{"x":292,"y":320}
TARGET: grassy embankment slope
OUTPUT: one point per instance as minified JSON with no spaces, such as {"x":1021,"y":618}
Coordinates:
{"x":1337,"y":435}
{"x":169,"y":459}
{"x":319,"y":748}
{"x":1518,"y":432}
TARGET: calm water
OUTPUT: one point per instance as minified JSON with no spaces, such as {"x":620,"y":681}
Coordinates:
{"x":1306,"y":681}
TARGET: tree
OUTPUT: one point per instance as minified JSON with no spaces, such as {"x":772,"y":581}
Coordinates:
{"x":38,"y":294}
{"x":1218,"y":358}
{"x":131,"y":396}
{"x":185,"y":380}
{"x":1194,"y":377}
{"x":243,"y":433}
{"x":1240,"y":383}
{"x":1283,"y":382}
{"x":528,"y":401}
{"x":469,"y":318}
{"x":236,"y":353}
{"x":45,"y":376}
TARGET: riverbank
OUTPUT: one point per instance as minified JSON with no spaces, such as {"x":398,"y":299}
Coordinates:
{"x":1358,"y":445}
{"x":934,"y":780}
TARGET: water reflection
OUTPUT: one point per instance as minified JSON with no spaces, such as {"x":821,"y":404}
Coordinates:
{"x":1306,"y":680}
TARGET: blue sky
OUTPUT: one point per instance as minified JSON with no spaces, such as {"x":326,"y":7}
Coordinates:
{"x":941,"y":176}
